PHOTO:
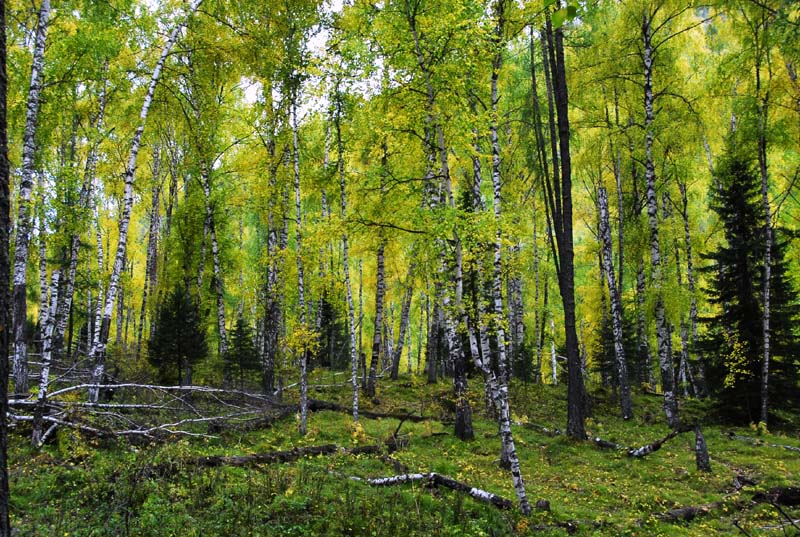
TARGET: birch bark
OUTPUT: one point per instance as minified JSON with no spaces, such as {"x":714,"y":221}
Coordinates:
{"x":662,"y":330}
{"x":351,"y":325}
{"x":616,"y":307}
{"x":20,"y":360}
{"x":47,"y":353}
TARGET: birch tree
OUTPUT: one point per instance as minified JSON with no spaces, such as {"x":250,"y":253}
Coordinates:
{"x":97,"y":354}
{"x":24,"y":222}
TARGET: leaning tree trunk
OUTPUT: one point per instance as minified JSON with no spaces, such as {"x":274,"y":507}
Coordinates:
{"x":662,"y":330}
{"x":499,"y":395}
{"x":85,"y":196}
{"x":98,"y":352}
{"x":23,"y":235}
{"x":616,"y":307}
{"x":47,"y":353}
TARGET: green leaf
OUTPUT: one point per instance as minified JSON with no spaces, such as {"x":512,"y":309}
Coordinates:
{"x":559,"y":17}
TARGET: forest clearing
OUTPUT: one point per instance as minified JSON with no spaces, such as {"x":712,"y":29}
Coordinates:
{"x":385,"y":267}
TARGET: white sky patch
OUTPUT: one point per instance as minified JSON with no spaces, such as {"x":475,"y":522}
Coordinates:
{"x":251,"y":89}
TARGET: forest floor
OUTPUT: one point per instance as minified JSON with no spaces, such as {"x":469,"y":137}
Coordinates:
{"x":91,"y":487}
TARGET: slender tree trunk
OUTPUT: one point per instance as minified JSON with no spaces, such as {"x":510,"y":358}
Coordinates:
{"x":616,"y":307}
{"x":218,"y":283}
{"x":516,"y":307}
{"x":433,"y":193}
{"x":273,"y":314}
{"x":120,"y":324}
{"x":152,"y":251}
{"x":44,"y":310}
{"x":20,"y":362}
{"x":699,"y":384}
{"x":380,"y":291}
{"x":576,"y":393}
{"x":351,"y":325}
{"x":5,"y":280}
{"x":463,"y":425}
{"x":98,"y":352}
{"x":497,"y":285}
{"x":301,"y":299}
{"x":47,"y":352}
{"x":763,"y":115}
{"x":662,"y":330}
{"x":405,"y":316}
{"x":65,"y":304}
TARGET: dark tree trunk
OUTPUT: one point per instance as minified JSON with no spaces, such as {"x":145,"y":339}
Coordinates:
{"x":701,"y":450}
{"x":5,"y":280}
{"x":561,"y":208}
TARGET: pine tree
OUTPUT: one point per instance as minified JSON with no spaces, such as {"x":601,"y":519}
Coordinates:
{"x":242,"y":351}
{"x":179,"y":340}
{"x":734,"y":340}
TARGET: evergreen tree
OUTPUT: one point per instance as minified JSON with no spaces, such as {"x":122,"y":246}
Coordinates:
{"x":243,"y":350}
{"x":734,"y":341}
{"x":178,"y":341}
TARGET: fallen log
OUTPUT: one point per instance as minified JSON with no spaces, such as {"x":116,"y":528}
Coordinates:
{"x":642,"y":451}
{"x":271,"y":457}
{"x":440,"y":480}
{"x":758,"y":442}
{"x":689,"y":512}
{"x":789,"y":496}
{"x":316,"y":405}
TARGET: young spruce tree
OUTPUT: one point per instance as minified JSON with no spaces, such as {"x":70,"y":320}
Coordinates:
{"x":734,"y":339}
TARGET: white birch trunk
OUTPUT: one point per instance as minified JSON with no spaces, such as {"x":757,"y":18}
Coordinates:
{"x":23,"y":234}
{"x":405,"y":317}
{"x":47,"y":353}
{"x":97,"y":354}
{"x":85,"y":197}
{"x":351,"y":317}
{"x":616,"y":306}
{"x":662,"y":330}
{"x":219,"y":290}
{"x":300,"y":275}
{"x":768,"y":239}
